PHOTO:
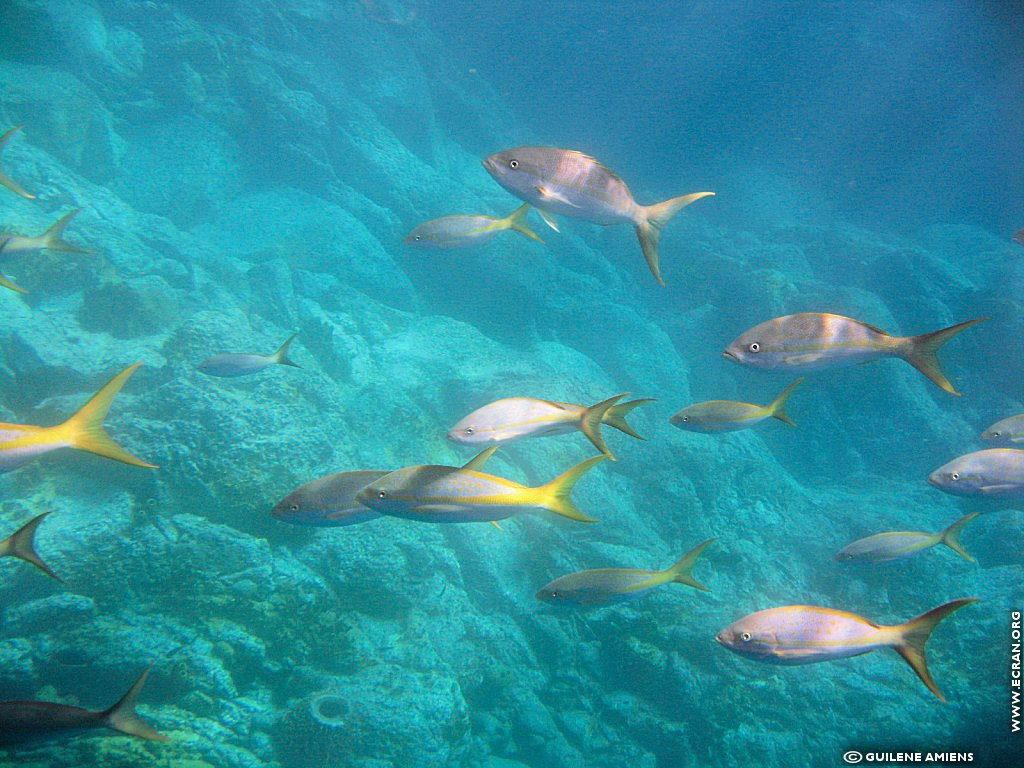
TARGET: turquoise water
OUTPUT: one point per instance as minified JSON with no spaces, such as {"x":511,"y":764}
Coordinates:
{"x":249,"y":168}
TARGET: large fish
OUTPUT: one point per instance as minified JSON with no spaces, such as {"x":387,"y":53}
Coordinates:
{"x":896,"y":545}
{"x":815,"y":341}
{"x":232,"y":364}
{"x":731,"y":416}
{"x":613,"y":585}
{"x":994,"y":472}
{"x":1009,"y":431}
{"x":32,"y":722}
{"x":567,"y":182}
{"x":519,"y":418}
{"x":5,"y":180}
{"x":52,"y":239}
{"x":21,"y":544}
{"x":20,"y":443}
{"x":804,"y":634}
{"x":465,"y":230}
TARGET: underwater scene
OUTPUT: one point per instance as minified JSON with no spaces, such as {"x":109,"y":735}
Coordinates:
{"x":394,"y":384}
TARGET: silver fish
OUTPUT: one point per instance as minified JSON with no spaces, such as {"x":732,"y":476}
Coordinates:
{"x":1009,"y":431}
{"x":994,"y":472}
{"x":897,"y":545}
{"x":730,"y":415}
{"x":232,"y":364}
{"x":465,"y":230}
{"x":52,"y":239}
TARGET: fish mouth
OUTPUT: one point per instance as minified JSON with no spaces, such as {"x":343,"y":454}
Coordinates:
{"x":719,"y":640}
{"x":488,"y":163}
{"x":730,"y":355}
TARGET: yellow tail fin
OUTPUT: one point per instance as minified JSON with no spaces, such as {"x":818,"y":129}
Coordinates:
{"x":778,"y":406}
{"x":122,"y":716}
{"x":915,"y":633}
{"x":53,"y":238}
{"x":517,"y":221}
{"x":21,"y":544}
{"x":590,"y":423}
{"x":616,"y":416}
{"x":655,"y":218}
{"x":922,"y":352}
{"x":8,"y":283}
{"x":951,"y":536}
{"x":554,"y":496}
{"x":5,"y":180}
{"x":281,"y":355}
{"x":681,"y":571}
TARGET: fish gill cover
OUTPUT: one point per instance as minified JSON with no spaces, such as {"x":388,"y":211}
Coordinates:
{"x":248,"y":169}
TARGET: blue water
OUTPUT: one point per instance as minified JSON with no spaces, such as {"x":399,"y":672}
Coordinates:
{"x":249,"y":168}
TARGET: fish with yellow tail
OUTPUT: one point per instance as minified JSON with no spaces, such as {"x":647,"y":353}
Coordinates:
{"x":805,"y":634}
{"x":817,"y":340}
{"x":897,"y":545}
{"x":5,"y":180}
{"x":52,"y":239}
{"x":993,"y":472}
{"x":732,"y":416}
{"x":466,"y":230}
{"x":21,"y":544}
{"x":567,"y":182}
{"x":229,"y":365}
{"x":603,"y":586}
{"x":21,"y":443}
{"x":438,"y":494}
{"x":518,"y":418}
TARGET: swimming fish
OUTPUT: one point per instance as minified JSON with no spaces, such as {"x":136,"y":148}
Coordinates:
{"x":231,"y":364}
{"x":1019,"y":237}
{"x":52,"y":239}
{"x":462,"y":231}
{"x":613,"y":585}
{"x":6,"y":180}
{"x":20,"y":443}
{"x":20,"y":544}
{"x":995,"y":472}
{"x":804,"y":634}
{"x":731,"y":416}
{"x":815,"y":340}
{"x":519,"y":418}
{"x":896,"y":545}
{"x":573,"y":184}
{"x":1009,"y":430}
{"x":31,"y":722}
{"x":438,"y":494}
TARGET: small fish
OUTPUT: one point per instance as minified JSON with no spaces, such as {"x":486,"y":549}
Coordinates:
{"x":731,"y":416}
{"x":612,"y":585}
{"x":994,"y":472}
{"x":804,"y":634}
{"x":897,"y":545}
{"x":6,"y":180}
{"x":462,"y":231}
{"x":1007,"y":431}
{"x":52,"y":239}
{"x":815,"y":340}
{"x":519,"y":418}
{"x":1019,"y":237}
{"x":438,"y":494}
{"x":32,"y":722}
{"x":231,"y":364}
{"x":20,"y":443}
{"x":573,"y":184}
{"x":20,"y":544}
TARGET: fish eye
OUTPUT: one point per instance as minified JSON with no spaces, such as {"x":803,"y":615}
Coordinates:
{"x":754,"y":347}
{"x":293,"y":507}
{"x":382,"y":494}
{"x":513,"y":163}
{"x":745,"y":637}
{"x":954,"y":475}
{"x":417,"y":238}
{"x":469,"y":430}
{"x":685,"y":418}
{"x":995,"y":434}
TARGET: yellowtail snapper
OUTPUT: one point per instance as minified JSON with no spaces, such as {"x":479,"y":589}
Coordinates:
{"x":466,"y":230}
{"x":233,"y":364}
{"x":897,"y":545}
{"x":994,"y":472}
{"x":731,"y":416}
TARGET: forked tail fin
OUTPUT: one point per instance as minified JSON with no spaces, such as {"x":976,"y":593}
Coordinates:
{"x":616,"y":416}
{"x":554,"y":496}
{"x":778,"y":407}
{"x":655,"y":217}
{"x":681,"y":571}
{"x":122,"y":716}
{"x":951,"y":536}
{"x":915,"y":633}
{"x":590,"y":423}
{"x":21,"y":544}
{"x":281,"y":355}
{"x":517,"y":221}
{"x":53,"y":238}
{"x":922,"y":352}
{"x":5,"y":180}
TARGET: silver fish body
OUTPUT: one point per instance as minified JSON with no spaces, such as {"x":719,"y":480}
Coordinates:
{"x":462,"y":231}
{"x":329,"y":501}
{"x":885,"y":547}
{"x":993,"y":472}
{"x":1008,"y":432}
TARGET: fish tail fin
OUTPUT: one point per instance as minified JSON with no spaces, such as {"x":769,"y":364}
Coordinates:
{"x":281,"y":355}
{"x":616,"y":416}
{"x":654,"y":219}
{"x":85,"y":432}
{"x":778,"y":407}
{"x":951,"y":536}
{"x":681,"y":571}
{"x":6,"y":282}
{"x":53,"y":238}
{"x":517,"y":221}
{"x":590,"y":423}
{"x":122,"y":716}
{"x":915,"y":633}
{"x":555,"y":495}
{"x":5,"y":180}
{"x":922,"y":352}
{"x":21,"y":544}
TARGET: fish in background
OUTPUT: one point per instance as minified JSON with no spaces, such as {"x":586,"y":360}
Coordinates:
{"x":5,"y":180}
{"x":465,"y":230}
{"x":567,"y":182}
{"x":897,"y":545}
{"x":518,"y":418}
{"x":52,"y":239}
{"x":1019,"y":237}
{"x":732,"y":416}
{"x":20,"y":443}
{"x":816,"y":341}
{"x":603,"y":586}
{"x":21,"y":544}
{"x":231,"y":364}
{"x":805,"y":634}
{"x":993,"y":472}
{"x":5,"y":281}
{"x":1009,"y":430}
{"x":32,"y":722}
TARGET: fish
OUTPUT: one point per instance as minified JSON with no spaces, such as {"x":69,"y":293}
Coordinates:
{"x":731,"y":416}
{"x":52,"y":239}
{"x":232,"y":364}
{"x":440,"y":494}
{"x":993,"y":472}
{"x":897,"y":545}
{"x":1019,"y":237}
{"x":21,"y":443}
{"x":806,"y":634}
{"x":518,"y":418}
{"x":21,"y":544}
{"x":612,"y":585}
{"x":817,"y":341}
{"x":5,"y":180}
{"x":462,"y":231}
{"x":32,"y":722}
{"x":567,"y":182}
{"x":1009,"y":430}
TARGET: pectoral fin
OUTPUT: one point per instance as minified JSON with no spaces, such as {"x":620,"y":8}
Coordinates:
{"x":549,"y":219}
{"x":553,"y":195}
